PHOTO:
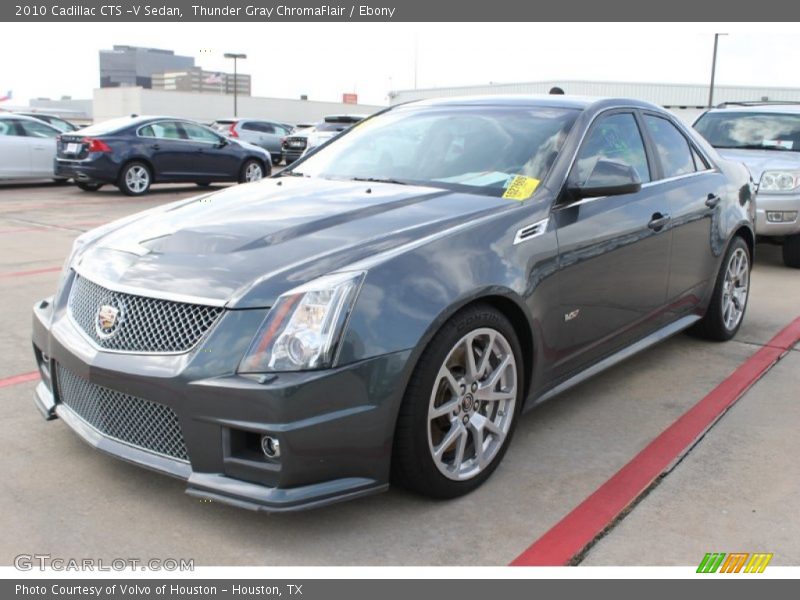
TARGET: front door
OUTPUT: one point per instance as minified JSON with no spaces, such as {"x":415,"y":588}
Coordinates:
{"x":613,"y":252}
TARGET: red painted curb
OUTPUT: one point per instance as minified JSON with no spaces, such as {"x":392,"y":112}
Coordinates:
{"x":11,"y":274}
{"x":16,"y":379}
{"x":574,"y":532}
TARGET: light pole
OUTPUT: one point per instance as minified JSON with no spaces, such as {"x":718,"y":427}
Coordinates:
{"x":235,"y":58}
{"x":713,"y":70}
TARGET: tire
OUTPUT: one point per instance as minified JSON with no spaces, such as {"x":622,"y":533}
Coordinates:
{"x":276,"y":161}
{"x":420,"y":433}
{"x":791,"y":251}
{"x":89,"y":186}
{"x":718,"y":324}
{"x":252,"y":170}
{"x":135,"y":179}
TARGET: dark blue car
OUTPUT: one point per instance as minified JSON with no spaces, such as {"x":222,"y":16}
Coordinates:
{"x":134,"y":152}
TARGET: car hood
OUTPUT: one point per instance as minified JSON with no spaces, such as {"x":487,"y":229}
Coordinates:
{"x":247,"y":244}
{"x":758,"y":161}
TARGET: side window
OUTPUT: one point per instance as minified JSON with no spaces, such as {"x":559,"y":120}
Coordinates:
{"x":165,"y":130}
{"x":615,"y":137}
{"x":673,"y":149}
{"x":6,"y":128}
{"x":37,"y":129}
{"x":200,"y":134}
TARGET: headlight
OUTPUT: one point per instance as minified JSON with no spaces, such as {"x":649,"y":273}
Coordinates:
{"x":302,"y":331}
{"x":779,"y":181}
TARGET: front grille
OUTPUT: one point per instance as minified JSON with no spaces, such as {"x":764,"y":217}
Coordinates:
{"x":140,"y":324}
{"x":147,"y":425}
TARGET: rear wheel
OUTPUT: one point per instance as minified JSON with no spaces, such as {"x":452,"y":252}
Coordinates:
{"x":791,"y":251}
{"x":89,"y":186}
{"x":276,"y":161}
{"x":731,"y":291}
{"x":252,"y":170}
{"x":459,"y":409}
{"x":135,"y":179}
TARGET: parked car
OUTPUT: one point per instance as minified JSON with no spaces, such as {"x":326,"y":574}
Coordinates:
{"x":135,"y":152}
{"x":766,"y":138}
{"x":27,"y":148}
{"x":386,"y":309}
{"x":266,"y":134}
{"x":62,"y":125}
{"x":299,"y":142}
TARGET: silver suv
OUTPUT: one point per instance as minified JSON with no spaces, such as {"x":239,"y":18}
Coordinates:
{"x":765,"y":136}
{"x":266,"y":134}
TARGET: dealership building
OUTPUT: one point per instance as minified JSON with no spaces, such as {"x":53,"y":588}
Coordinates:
{"x":687,"y":100}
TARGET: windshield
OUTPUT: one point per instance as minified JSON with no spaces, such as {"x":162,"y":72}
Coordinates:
{"x":479,"y":149}
{"x":753,"y":130}
{"x":325,"y":126}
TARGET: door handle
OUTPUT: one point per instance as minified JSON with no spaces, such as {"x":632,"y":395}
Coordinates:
{"x":155,"y":146}
{"x":712,"y":200}
{"x":658,"y":221}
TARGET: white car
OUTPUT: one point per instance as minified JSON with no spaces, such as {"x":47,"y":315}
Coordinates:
{"x":27,"y":148}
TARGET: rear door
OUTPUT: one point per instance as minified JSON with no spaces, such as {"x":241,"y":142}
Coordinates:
{"x":613,"y":260}
{"x":694,"y":191}
{"x":15,"y":151}
{"x":168,"y":150}
{"x":42,"y":144}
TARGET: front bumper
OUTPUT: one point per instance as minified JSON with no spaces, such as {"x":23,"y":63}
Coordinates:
{"x":335,"y":427}
{"x":777,"y":202}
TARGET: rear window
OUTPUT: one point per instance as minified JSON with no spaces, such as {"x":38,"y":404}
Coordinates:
{"x":223,"y":125}
{"x":751,"y":130}
{"x":106,"y":127}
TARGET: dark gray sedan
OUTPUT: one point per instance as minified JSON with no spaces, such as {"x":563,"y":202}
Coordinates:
{"x":387,"y":308}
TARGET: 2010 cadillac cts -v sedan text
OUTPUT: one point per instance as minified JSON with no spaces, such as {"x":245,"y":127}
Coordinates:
{"x":388,"y":307}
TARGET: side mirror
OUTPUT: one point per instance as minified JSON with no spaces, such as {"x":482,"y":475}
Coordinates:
{"x":223,"y":142}
{"x":608,"y":178}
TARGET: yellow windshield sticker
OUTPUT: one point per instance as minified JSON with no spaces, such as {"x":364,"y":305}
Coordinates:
{"x":521,"y":188}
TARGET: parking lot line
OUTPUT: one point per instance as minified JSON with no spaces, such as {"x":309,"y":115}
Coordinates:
{"x":12,"y":274}
{"x":570,"y":536}
{"x":17,"y":379}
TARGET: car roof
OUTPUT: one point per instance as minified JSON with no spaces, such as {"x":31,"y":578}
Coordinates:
{"x":541,"y":100}
{"x":5,"y":116}
{"x":788,"y":108}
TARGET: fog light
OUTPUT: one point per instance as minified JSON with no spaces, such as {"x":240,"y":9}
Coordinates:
{"x":270,"y":446}
{"x":777,"y":216}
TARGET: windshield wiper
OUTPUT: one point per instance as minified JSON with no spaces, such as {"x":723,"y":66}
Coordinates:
{"x":379,"y":180}
{"x":286,"y":173}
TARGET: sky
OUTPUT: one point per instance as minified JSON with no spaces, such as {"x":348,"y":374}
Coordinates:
{"x":324,"y":60}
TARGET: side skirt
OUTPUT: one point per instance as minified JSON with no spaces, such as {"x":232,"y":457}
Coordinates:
{"x":600,"y":366}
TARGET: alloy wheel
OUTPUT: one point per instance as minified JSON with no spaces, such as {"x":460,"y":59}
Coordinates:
{"x":137,"y":178}
{"x":735,"y":287}
{"x":472,"y":404}
{"x":253,"y":172}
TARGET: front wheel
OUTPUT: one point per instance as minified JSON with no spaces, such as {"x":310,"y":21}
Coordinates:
{"x":791,"y":251}
{"x":252,"y":170}
{"x":459,"y":409}
{"x":729,"y":300}
{"x":135,"y":179}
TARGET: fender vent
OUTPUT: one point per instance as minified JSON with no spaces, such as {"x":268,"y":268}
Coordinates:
{"x":530,"y":231}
